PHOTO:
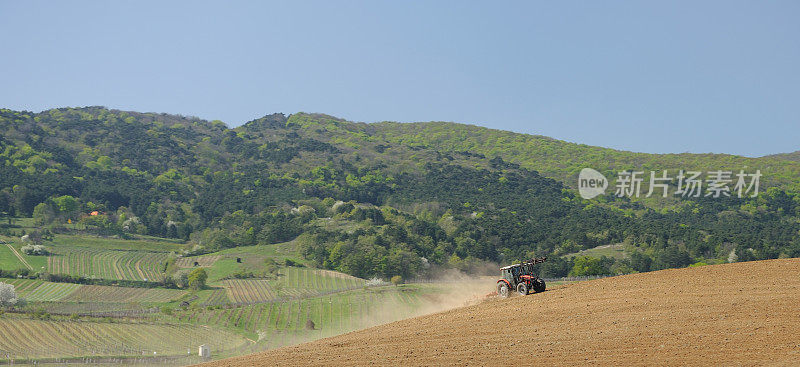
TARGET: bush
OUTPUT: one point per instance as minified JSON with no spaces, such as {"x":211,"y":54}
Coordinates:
{"x":289,"y":262}
{"x":34,"y":250}
{"x":397,"y":280}
{"x":197,"y":278}
{"x":588,"y":266}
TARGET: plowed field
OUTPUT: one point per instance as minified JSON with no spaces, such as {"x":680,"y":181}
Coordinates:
{"x":732,"y":314}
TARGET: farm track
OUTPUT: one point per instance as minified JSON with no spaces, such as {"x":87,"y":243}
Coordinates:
{"x":731,"y":314}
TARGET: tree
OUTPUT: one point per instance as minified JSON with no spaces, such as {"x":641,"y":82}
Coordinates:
{"x":586,"y":266}
{"x":42,"y":214}
{"x":640,"y":261}
{"x":672,"y":257}
{"x":67,"y":206}
{"x":8,"y":296}
{"x":397,"y":280}
{"x":197,"y":278}
{"x":6,"y":204}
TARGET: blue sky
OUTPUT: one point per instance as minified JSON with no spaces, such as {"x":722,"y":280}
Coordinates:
{"x":637,"y":75}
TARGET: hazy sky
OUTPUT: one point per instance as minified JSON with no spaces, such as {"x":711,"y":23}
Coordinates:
{"x":653,"y":76}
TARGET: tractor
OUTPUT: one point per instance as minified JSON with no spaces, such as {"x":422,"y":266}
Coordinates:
{"x":520,"y":277}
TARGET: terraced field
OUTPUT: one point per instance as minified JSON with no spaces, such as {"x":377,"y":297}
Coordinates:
{"x":216,"y":296}
{"x":25,"y":338}
{"x":99,"y":293}
{"x":300,"y":282}
{"x":39,"y":291}
{"x":293,"y":282}
{"x":202,"y":261}
{"x":107,"y":264}
{"x":249,"y":290}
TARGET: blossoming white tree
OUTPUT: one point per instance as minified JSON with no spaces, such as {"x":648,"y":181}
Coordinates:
{"x":8,"y":296}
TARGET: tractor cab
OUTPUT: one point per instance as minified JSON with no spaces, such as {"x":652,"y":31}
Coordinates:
{"x":520,"y":277}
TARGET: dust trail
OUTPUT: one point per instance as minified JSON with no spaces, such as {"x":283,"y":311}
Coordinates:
{"x":412,"y":300}
{"x":386,"y":304}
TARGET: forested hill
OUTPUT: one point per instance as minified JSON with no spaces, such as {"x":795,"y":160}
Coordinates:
{"x":563,"y":161}
{"x":376,"y":199}
{"x":793,"y":156}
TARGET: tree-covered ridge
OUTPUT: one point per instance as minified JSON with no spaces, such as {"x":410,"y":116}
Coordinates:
{"x":793,"y":156}
{"x":374,"y":199}
{"x":563,"y":160}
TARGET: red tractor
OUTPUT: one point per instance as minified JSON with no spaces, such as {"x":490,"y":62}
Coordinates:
{"x":520,"y":277}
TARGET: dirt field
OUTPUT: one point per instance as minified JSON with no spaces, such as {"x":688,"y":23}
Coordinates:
{"x":732,"y":314}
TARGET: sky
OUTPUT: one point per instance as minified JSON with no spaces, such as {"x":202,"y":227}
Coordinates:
{"x":648,"y":76}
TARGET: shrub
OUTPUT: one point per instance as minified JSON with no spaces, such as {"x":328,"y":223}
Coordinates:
{"x":34,"y":250}
{"x":375,"y":281}
{"x":588,"y":266}
{"x":397,"y":280}
{"x":197,"y":278}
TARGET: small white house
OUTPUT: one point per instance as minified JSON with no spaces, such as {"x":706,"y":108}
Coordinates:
{"x":204,"y":351}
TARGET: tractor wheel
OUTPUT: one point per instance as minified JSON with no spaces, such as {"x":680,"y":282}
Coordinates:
{"x":502,"y":289}
{"x":522,"y":289}
{"x":539,"y":286}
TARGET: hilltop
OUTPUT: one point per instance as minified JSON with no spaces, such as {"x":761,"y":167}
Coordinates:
{"x":793,"y":156}
{"x":724,"y":314}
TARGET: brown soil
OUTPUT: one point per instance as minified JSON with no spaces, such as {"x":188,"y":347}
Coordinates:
{"x":732,"y":314}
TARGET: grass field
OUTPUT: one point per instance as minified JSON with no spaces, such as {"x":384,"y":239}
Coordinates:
{"x":253,"y":259}
{"x":26,"y":338}
{"x":9,"y":260}
{"x":140,"y":243}
{"x":615,"y":251}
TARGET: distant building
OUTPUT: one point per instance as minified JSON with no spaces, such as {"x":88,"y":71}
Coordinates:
{"x":204,"y":351}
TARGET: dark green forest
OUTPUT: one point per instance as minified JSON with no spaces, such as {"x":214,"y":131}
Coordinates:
{"x":379,"y":199}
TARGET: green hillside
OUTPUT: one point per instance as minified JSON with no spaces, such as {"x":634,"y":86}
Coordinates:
{"x":369,"y":200}
{"x":286,"y":229}
{"x":793,"y":156}
{"x":563,"y":160}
